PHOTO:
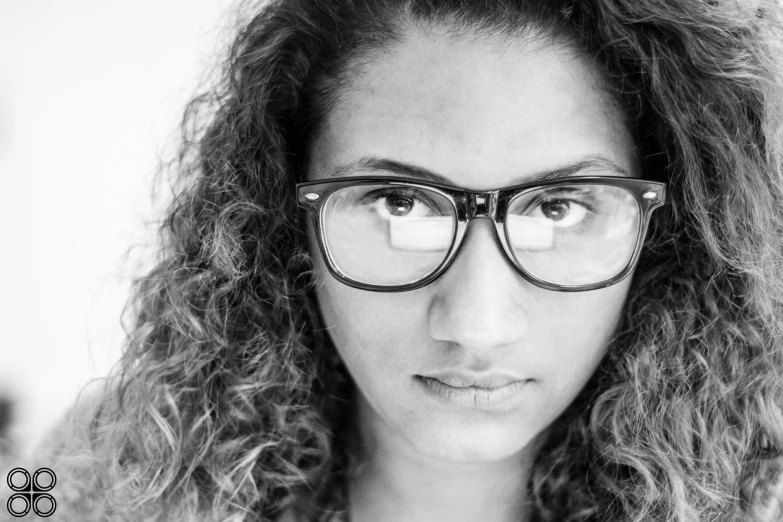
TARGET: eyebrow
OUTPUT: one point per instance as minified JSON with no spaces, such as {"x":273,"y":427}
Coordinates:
{"x":588,"y":164}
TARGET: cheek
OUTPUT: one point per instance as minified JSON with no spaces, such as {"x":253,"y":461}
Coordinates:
{"x":360,"y":322}
{"x":372,"y":333}
{"x":577,"y":337}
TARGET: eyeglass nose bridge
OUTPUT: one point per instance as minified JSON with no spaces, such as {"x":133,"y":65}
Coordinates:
{"x":488,"y":205}
{"x":482,"y":204}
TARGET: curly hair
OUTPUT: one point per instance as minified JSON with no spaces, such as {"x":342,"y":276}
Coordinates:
{"x":230,"y":403}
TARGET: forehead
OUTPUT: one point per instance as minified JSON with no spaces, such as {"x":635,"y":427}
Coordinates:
{"x":482,"y":115}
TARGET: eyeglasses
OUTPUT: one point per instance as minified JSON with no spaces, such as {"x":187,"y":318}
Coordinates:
{"x":393,"y":234}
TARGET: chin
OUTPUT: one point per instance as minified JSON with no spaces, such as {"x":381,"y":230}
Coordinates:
{"x":471,"y":444}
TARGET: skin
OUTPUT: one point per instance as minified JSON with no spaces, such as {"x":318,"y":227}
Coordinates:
{"x":483,"y":116}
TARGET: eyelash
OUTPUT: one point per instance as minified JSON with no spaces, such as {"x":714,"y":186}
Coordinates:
{"x":378,"y":194}
{"x":554,"y":198}
{"x":375,"y":195}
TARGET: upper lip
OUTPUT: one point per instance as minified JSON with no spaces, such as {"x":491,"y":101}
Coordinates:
{"x":464,"y":379}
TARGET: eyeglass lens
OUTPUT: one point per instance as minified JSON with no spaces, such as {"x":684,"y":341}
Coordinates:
{"x":565,"y":234}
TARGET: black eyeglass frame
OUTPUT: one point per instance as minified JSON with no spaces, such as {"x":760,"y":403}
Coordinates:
{"x":471,"y":204}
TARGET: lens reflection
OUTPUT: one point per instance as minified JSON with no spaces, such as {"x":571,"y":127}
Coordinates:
{"x":388,"y":234}
{"x":573,"y":234}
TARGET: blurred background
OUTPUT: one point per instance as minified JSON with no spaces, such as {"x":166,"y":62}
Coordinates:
{"x":91,"y":93}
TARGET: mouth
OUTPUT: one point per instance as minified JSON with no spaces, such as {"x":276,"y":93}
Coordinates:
{"x":489,"y":392}
{"x":486,"y":381}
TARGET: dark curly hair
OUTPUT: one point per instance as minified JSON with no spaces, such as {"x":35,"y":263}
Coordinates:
{"x":231,"y":404}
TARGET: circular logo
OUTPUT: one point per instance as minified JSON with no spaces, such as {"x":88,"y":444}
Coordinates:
{"x":15,"y":476}
{"x":31,"y":492}
{"x":42,"y":477}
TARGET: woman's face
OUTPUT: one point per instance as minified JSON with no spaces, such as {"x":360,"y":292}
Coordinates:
{"x":482,"y":117}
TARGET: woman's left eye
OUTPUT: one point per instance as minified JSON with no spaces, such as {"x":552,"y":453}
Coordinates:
{"x":399,"y":206}
{"x":564,"y":213}
{"x":402,"y":205}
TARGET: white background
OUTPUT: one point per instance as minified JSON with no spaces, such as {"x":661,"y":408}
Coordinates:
{"x":91,"y":93}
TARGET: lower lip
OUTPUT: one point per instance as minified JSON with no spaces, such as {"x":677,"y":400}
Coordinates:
{"x":473,"y":397}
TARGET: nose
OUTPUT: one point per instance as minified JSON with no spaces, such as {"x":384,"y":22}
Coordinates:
{"x":478,"y":303}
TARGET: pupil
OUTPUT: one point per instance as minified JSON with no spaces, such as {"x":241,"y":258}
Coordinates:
{"x":399,"y":206}
{"x":556,"y":210}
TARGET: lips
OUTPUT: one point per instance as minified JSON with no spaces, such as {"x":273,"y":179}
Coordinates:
{"x":458,"y":379}
{"x":488,"y":392}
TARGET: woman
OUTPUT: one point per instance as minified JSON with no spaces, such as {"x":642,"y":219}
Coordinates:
{"x":338,"y":330}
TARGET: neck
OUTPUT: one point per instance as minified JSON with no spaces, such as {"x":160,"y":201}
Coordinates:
{"x":396,"y":482}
